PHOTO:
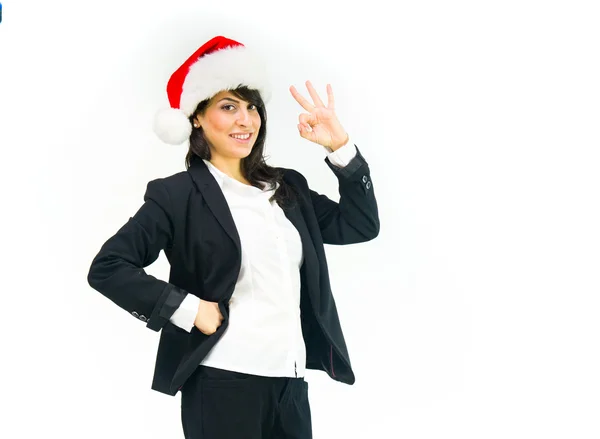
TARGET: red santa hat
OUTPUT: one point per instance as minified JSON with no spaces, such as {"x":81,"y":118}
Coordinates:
{"x":220,"y":64}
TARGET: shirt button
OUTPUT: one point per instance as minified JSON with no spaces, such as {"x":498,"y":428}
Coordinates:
{"x":135,"y":314}
{"x":364,"y":178}
{"x":369,"y":185}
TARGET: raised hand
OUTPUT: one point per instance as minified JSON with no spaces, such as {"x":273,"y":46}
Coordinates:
{"x":320,"y":124}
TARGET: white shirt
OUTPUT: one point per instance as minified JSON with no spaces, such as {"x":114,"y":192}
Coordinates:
{"x":264,"y":335}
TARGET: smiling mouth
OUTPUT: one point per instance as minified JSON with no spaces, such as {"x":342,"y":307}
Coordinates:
{"x":241,"y":136}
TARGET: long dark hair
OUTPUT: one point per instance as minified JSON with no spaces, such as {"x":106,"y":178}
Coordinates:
{"x":254,"y":168}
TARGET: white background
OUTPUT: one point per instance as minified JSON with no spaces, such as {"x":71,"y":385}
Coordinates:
{"x":474,"y":314}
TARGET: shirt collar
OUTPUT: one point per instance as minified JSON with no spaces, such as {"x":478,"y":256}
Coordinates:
{"x":217,"y":173}
{"x":225,"y":181}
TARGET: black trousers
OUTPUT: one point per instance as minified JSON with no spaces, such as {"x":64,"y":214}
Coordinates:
{"x":220,"y":404}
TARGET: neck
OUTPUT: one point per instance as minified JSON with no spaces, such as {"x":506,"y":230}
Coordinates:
{"x":229,"y":166}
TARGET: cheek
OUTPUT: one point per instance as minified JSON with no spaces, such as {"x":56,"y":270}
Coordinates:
{"x":257,"y":121}
{"x":219,"y":125}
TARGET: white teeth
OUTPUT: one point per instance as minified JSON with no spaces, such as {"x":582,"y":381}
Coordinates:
{"x":241,"y":136}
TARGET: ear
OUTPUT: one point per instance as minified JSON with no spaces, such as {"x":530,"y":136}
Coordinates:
{"x":197,"y":121}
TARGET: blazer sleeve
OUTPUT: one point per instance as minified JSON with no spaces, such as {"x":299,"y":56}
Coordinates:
{"x":118,"y":273}
{"x":355,"y":218}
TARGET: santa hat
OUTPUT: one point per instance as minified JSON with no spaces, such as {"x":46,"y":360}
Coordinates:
{"x":220,"y":64}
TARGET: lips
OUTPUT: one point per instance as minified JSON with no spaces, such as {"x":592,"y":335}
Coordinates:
{"x":241,"y":136}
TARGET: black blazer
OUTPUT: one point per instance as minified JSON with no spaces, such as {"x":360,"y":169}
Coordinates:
{"x":187,"y":216}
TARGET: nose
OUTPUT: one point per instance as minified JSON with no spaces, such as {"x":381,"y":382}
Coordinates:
{"x":244,"y":117}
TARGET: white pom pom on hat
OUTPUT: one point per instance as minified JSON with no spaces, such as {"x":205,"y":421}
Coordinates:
{"x":220,"y":64}
{"x":172,"y":126}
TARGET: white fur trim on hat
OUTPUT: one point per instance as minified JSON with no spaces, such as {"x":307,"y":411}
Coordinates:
{"x":172,"y":126}
{"x":224,"y":69}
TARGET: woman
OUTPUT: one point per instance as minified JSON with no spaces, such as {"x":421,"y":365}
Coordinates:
{"x":248,"y":306}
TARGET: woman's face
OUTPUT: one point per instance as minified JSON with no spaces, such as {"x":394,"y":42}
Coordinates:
{"x":230,"y":126}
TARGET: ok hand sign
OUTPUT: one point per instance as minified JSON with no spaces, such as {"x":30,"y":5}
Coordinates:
{"x":320,"y":125}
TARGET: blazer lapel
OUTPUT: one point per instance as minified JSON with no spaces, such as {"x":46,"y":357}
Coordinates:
{"x":310,"y":266}
{"x":213,"y":195}
{"x":295,"y":216}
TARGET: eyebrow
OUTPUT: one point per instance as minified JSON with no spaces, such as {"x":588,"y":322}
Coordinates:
{"x":229,"y":99}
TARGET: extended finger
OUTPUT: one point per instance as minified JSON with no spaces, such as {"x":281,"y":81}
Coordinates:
{"x":314,"y":95}
{"x":300,"y":99}
{"x":330,"y":99}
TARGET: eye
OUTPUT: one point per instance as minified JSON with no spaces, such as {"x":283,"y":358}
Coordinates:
{"x":228,"y":107}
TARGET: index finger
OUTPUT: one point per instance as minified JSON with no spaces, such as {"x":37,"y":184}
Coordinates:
{"x":300,"y":99}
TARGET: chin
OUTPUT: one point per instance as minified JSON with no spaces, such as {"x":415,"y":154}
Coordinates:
{"x":242,"y":152}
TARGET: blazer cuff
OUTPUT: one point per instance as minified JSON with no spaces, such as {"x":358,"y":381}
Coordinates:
{"x":354,"y":165}
{"x":167,"y":304}
{"x":342,"y":156}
